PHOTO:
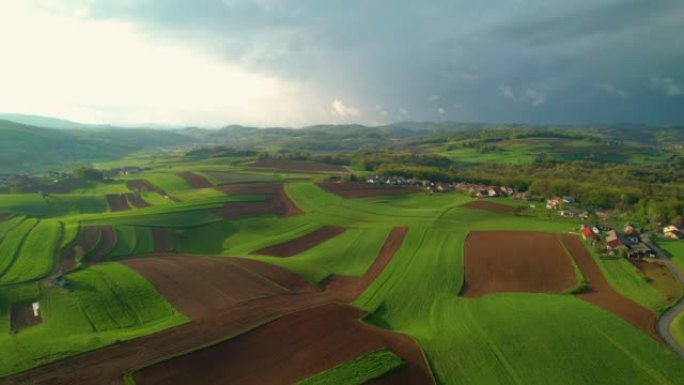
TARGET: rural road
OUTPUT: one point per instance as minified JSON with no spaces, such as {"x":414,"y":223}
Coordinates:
{"x":666,"y":318}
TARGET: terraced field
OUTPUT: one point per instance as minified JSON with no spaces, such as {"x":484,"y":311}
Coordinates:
{"x":184,"y":290}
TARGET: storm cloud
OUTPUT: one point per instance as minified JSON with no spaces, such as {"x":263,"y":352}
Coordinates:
{"x":534,"y":61}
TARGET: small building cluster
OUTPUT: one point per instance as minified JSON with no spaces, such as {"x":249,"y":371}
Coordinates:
{"x":126,"y":170}
{"x":628,"y":243}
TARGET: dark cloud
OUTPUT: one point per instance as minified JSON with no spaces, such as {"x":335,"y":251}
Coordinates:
{"x":499,"y":60}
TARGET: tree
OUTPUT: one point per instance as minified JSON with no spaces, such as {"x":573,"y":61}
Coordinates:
{"x":88,"y":173}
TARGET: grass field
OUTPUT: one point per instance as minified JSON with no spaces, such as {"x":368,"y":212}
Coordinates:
{"x":677,"y":328}
{"x":131,"y":240}
{"x":110,"y":303}
{"x":498,"y":338}
{"x":37,"y":255}
{"x":359,"y":371}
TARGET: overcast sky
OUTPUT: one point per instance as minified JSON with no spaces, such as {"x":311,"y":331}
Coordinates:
{"x":295,"y":63}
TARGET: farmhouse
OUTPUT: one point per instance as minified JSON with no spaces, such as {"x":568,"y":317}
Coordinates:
{"x":553,"y":203}
{"x":568,"y":199}
{"x":672,"y":232}
{"x":588,"y":233}
{"x":640,"y":250}
{"x":574,"y":214}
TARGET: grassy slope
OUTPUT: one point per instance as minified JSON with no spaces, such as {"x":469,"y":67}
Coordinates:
{"x":462,"y":338}
{"x":12,"y":243}
{"x":358,"y":371}
{"x":37,"y":255}
{"x":81,"y":321}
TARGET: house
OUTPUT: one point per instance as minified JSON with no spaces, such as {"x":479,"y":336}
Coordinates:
{"x":36,"y":307}
{"x":588,"y":233}
{"x":568,"y":199}
{"x":441,"y":187}
{"x":493,"y":192}
{"x":508,"y":191}
{"x":672,"y":232}
{"x":630,"y":230}
{"x":553,"y":203}
{"x":640,"y":250}
{"x":128,"y":170}
{"x":574,"y":214}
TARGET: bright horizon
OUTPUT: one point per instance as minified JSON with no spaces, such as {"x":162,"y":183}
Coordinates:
{"x":268,"y":63}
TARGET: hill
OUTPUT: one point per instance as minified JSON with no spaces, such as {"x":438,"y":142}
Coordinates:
{"x":32,"y":148}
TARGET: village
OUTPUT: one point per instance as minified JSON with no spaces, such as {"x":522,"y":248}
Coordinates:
{"x":629,"y":242}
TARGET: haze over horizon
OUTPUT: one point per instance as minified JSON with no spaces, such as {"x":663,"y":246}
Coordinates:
{"x":267,"y":62}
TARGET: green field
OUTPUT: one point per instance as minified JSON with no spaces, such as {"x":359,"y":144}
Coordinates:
{"x":358,"y":371}
{"x":109,"y":303}
{"x":508,"y":338}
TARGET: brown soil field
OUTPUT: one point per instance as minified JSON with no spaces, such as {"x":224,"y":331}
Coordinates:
{"x":195,"y":180}
{"x":364,"y":190}
{"x":21,"y":317}
{"x":136,"y":200}
{"x":290,"y":349}
{"x":117,"y":202}
{"x":200,"y":286}
{"x":63,"y":187}
{"x":347,"y":288}
{"x":277,"y":202}
{"x":139,"y":185}
{"x":600,"y":293}
{"x":109,"y":364}
{"x":515,"y":261}
{"x":102,"y":236}
{"x":489,"y":206}
{"x":301,"y":244}
{"x":660,"y":277}
{"x":296,"y":165}
{"x":162,"y":240}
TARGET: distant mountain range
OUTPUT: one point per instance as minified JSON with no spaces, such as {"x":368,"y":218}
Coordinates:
{"x":35,"y":143}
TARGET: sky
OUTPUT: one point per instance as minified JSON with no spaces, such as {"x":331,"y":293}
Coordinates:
{"x":294,"y":63}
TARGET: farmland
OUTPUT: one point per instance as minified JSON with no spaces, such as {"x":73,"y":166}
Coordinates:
{"x":237,"y":258}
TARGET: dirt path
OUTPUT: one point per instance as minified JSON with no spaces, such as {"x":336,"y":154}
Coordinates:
{"x":301,"y":244}
{"x":600,"y":293}
{"x":347,"y":288}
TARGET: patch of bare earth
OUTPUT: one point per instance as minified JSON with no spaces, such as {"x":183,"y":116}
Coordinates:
{"x":117,"y":202}
{"x":348,"y":288}
{"x":297,"y":165}
{"x":21,"y":316}
{"x":200,"y":286}
{"x":290,"y":349}
{"x":276,"y":201}
{"x":600,"y":293}
{"x":136,"y":200}
{"x":195,"y":180}
{"x":96,"y":242}
{"x":515,"y":261}
{"x":365,"y":190}
{"x":162,"y":240}
{"x":301,"y":244}
{"x":489,"y":206}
